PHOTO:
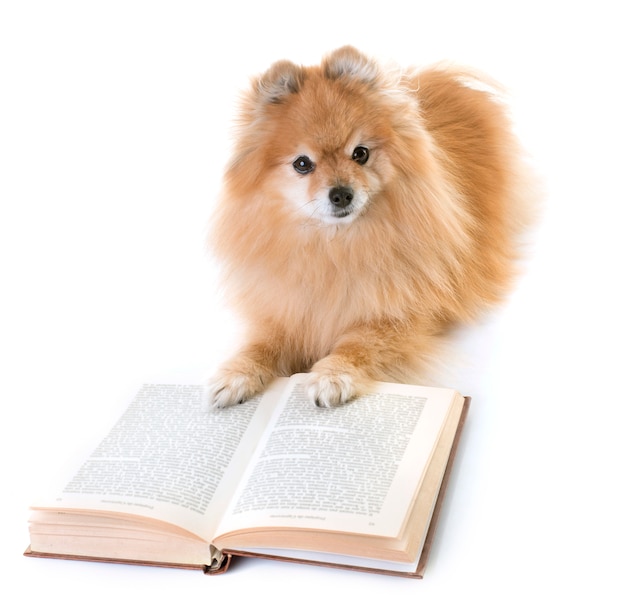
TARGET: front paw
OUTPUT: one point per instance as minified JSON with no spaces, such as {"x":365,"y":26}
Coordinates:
{"x":330,"y":389}
{"x":231,"y":388}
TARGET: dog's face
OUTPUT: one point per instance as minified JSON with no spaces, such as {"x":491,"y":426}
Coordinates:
{"x":326,"y":137}
{"x":331,"y":186}
{"x":333,"y":163}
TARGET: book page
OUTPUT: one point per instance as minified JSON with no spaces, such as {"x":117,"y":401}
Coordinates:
{"x":354,"y":468}
{"x":169,"y":460}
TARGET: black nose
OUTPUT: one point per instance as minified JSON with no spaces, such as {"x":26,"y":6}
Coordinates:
{"x":340,"y":196}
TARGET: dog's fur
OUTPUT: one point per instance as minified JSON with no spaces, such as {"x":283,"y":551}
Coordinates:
{"x":352,"y":269}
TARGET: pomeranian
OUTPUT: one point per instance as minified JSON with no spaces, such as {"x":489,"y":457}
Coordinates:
{"x":364,"y":212}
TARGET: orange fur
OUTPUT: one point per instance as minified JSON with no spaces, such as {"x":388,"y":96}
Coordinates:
{"x":431,"y":240}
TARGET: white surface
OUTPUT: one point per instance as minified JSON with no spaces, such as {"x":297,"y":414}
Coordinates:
{"x":113,"y":136}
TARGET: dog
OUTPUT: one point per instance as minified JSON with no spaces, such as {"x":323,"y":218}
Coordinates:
{"x":365,"y":212}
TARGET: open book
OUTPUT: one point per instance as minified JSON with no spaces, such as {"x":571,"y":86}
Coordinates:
{"x":356,"y":486}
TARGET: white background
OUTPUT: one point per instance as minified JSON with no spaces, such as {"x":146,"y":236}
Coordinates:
{"x":114,"y":127}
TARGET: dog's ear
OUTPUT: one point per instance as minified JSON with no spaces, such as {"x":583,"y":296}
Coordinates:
{"x":348,"y":62}
{"x":282,"y":79}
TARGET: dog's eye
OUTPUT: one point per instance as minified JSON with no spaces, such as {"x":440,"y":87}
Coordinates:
{"x":303,"y":165}
{"x":361,"y":155}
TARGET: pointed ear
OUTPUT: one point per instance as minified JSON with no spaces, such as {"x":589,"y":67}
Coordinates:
{"x":282,"y":79}
{"x":350,"y":63}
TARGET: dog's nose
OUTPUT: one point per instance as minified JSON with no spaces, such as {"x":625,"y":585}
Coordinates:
{"x":340,"y":196}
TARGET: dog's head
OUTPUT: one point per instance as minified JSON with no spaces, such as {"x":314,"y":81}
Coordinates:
{"x":323,"y":140}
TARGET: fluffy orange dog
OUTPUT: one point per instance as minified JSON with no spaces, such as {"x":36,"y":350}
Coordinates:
{"x":364,"y":212}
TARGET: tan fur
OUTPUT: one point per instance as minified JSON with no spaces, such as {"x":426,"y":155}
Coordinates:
{"x":362,"y":297}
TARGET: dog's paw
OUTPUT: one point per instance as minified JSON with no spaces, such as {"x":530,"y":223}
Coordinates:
{"x":330,"y":390}
{"x":230,"y":388}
